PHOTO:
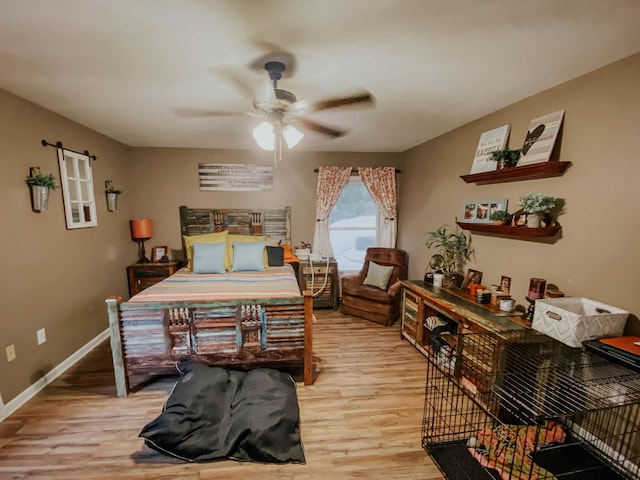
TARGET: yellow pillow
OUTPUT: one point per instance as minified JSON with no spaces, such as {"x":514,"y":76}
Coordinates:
{"x":218,"y":237}
{"x":232,"y":237}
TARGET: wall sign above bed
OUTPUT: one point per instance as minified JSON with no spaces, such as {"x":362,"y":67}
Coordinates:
{"x":235,"y":177}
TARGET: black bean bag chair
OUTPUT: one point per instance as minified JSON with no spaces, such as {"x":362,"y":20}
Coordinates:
{"x":214,"y":413}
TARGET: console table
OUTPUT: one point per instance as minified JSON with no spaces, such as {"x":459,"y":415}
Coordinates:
{"x":421,"y":300}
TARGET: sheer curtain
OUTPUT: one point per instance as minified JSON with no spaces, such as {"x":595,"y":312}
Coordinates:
{"x":331,"y":181}
{"x":381,"y":184}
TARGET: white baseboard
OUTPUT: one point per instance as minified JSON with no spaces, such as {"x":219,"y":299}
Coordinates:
{"x":50,"y":376}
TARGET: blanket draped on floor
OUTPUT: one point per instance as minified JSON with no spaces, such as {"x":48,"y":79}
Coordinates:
{"x":214,"y":413}
{"x":508,"y":449}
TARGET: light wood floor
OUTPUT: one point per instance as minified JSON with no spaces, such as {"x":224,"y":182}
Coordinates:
{"x":362,"y":418}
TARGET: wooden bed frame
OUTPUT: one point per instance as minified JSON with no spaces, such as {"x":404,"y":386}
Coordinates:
{"x":148,"y":338}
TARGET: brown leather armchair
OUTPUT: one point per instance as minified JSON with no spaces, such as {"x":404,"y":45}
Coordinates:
{"x":380,"y":305}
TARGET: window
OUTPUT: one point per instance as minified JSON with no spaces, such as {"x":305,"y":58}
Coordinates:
{"x":352,"y":225}
{"x":76,"y":178}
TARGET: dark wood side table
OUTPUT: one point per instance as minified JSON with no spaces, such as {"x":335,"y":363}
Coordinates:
{"x":312,"y":277}
{"x":143,"y":275}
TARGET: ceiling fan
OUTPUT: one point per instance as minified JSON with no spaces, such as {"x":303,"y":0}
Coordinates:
{"x":281,"y":109}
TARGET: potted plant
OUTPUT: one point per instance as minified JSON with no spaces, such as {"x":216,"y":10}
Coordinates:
{"x":40,"y":184}
{"x":505,"y":157}
{"x":456,"y":251}
{"x":537,"y":206}
{"x":500,"y":217}
{"x":112,"y":195}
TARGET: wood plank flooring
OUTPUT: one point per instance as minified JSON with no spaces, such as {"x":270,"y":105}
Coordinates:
{"x":361,"y":418}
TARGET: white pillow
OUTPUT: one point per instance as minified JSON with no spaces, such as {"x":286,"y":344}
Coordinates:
{"x":209,"y":257}
{"x":378,"y":275}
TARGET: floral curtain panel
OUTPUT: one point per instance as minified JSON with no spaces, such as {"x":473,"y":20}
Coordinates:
{"x":331,"y":181}
{"x":381,"y":184}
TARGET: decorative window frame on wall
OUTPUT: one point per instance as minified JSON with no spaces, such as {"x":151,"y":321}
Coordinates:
{"x":76,"y":178}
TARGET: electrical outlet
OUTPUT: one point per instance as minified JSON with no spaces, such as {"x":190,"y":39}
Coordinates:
{"x":42,"y":336}
{"x":11,"y":353}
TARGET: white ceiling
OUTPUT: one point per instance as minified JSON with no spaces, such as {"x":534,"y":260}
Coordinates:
{"x":120,"y":66}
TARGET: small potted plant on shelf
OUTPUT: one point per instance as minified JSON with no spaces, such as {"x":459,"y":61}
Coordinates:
{"x":505,"y":158}
{"x":500,"y":217}
{"x":456,"y":251}
{"x":40,"y":185}
{"x":112,"y":195}
{"x":538,"y":208}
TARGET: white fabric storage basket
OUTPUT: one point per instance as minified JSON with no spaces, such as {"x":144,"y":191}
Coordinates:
{"x":573,"y":320}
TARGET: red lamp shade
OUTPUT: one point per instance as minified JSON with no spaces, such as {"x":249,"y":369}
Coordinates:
{"x":141,"y":229}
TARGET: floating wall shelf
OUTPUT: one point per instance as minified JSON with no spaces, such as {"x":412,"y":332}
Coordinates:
{"x":524,"y":233}
{"x":551,"y":168}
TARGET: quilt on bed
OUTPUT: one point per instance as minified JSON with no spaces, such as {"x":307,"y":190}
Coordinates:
{"x":274,"y":282}
{"x":214,"y":413}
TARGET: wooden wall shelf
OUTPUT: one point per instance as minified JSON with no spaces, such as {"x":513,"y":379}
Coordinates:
{"x":524,"y":233}
{"x":552,"y":168}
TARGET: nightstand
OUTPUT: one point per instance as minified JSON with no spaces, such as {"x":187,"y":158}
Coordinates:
{"x":328,"y":298}
{"x":143,"y":275}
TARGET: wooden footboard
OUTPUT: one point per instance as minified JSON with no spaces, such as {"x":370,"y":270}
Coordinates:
{"x":149,"y":338}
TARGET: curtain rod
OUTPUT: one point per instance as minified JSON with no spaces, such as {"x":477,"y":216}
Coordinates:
{"x":59,"y":145}
{"x":355,"y":170}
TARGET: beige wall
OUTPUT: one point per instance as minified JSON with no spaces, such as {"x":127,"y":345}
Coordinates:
{"x":58,"y":279}
{"x":167,"y":178}
{"x":53,"y":277}
{"x":597,"y":255}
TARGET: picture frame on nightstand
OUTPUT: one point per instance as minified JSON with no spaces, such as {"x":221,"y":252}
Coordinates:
{"x":158,"y":252}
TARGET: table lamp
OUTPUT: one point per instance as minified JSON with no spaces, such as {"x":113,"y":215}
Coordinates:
{"x":141,"y":230}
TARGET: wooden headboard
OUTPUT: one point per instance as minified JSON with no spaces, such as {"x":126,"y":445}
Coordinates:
{"x":274,"y":223}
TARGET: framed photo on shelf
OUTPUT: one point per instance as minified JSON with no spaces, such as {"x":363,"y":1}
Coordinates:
{"x":158,"y":252}
{"x":479,"y":211}
{"x":505,"y":285}
{"x":490,"y":141}
{"x":472,"y":276}
{"x":541,"y":138}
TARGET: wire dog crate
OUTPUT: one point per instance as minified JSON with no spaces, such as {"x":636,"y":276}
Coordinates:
{"x":520,"y":405}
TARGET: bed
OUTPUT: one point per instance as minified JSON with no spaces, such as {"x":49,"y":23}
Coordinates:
{"x":242,"y":319}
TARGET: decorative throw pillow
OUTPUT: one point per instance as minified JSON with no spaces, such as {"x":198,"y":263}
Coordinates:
{"x":232,"y":237}
{"x":378,"y":275}
{"x":248,"y":257}
{"x":275,"y":256}
{"x":189,"y":240}
{"x":209,"y":257}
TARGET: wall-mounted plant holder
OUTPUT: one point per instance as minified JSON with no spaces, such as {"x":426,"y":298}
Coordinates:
{"x":40,"y":184}
{"x":112,"y":195}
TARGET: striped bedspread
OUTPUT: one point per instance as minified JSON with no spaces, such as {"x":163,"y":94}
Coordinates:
{"x":275,"y":282}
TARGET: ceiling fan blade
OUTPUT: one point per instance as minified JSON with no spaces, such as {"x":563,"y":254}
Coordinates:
{"x":360,"y":98}
{"x":185,"y":112}
{"x":234,"y":79}
{"x":317,"y":127}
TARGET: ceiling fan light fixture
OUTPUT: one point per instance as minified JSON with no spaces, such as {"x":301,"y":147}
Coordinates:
{"x":292,"y":136}
{"x":264,"y":136}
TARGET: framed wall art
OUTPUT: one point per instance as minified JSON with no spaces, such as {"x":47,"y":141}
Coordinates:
{"x":541,"y":137}
{"x":490,"y":141}
{"x":479,"y":211}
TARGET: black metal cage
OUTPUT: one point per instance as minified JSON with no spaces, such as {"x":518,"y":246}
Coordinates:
{"x":520,"y":405}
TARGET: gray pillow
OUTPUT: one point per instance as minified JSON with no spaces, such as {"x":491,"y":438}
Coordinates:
{"x":248,"y":257}
{"x":208,"y":257}
{"x":378,"y":275}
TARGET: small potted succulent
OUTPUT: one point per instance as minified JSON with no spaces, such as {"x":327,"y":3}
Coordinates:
{"x":505,"y":158}
{"x":40,"y":184}
{"x":112,"y":195}
{"x":500,"y":217}
{"x":536,"y":206}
